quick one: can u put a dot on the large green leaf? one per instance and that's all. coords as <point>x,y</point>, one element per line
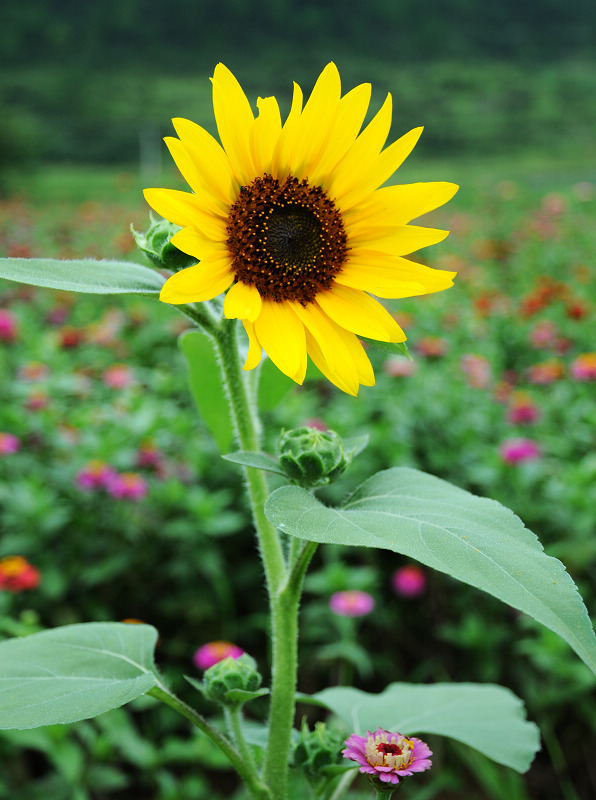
<point>476,540</point>
<point>489,718</point>
<point>75,672</point>
<point>204,377</point>
<point>83,275</point>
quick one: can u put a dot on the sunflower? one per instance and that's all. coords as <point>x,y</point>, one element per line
<point>289,220</point>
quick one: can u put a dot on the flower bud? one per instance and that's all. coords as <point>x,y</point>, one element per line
<point>229,675</point>
<point>311,457</point>
<point>156,245</point>
<point>317,749</point>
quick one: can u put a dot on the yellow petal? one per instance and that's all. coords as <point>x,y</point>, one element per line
<point>359,159</point>
<point>395,282</point>
<point>351,114</point>
<point>316,354</point>
<point>255,351</point>
<point>195,284</point>
<point>281,157</point>
<point>316,122</point>
<point>364,369</point>
<point>281,335</point>
<point>381,169</point>
<point>234,119</point>
<point>333,350</point>
<point>264,134</point>
<point>184,209</point>
<point>243,301</point>
<point>398,205</point>
<point>405,239</point>
<point>194,243</point>
<point>208,201</point>
<point>211,161</point>
<point>357,312</point>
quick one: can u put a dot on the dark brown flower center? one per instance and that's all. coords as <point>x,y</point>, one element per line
<point>286,239</point>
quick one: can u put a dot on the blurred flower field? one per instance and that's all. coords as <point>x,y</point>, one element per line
<point>113,492</point>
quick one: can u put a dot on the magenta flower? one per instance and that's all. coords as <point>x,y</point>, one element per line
<point>95,475</point>
<point>352,603</point>
<point>17,574</point>
<point>127,486</point>
<point>214,652</point>
<point>388,756</point>
<point>8,326</point>
<point>522,409</point>
<point>477,370</point>
<point>409,581</point>
<point>9,444</point>
<point>399,367</point>
<point>516,451</point>
<point>583,368</point>
<point>118,376</point>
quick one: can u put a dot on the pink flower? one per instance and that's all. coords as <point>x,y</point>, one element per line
<point>95,475</point>
<point>432,347</point>
<point>8,444</point>
<point>17,574</point>
<point>522,409</point>
<point>8,326</point>
<point>36,401</point>
<point>352,603</point>
<point>213,652</point>
<point>314,422</point>
<point>150,457</point>
<point>583,368</point>
<point>543,334</point>
<point>545,372</point>
<point>399,367</point>
<point>127,486</point>
<point>118,376</point>
<point>477,370</point>
<point>409,581</point>
<point>388,756</point>
<point>33,371</point>
<point>515,451</point>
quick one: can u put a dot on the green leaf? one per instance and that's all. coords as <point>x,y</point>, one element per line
<point>488,718</point>
<point>397,348</point>
<point>273,385</point>
<point>476,540</point>
<point>244,696</point>
<point>204,377</point>
<point>83,275</point>
<point>256,460</point>
<point>75,672</point>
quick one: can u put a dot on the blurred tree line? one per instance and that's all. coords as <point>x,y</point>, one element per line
<point>406,30</point>
<point>97,81</point>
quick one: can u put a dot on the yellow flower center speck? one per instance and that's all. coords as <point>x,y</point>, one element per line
<point>287,239</point>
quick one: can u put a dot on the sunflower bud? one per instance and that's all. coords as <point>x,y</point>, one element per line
<point>156,245</point>
<point>317,749</point>
<point>222,680</point>
<point>311,457</point>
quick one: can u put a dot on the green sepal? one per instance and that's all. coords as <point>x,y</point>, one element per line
<point>397,348</point>
<point>262,461</point>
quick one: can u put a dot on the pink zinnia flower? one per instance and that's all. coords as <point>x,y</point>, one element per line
<point>127,486</point>
<point>117,376</point>
<point>352,603</point>
<point>213,652</point>
<point>17,574</point>
<point>388,756</point>
<point>583,368</point>
<point>522,409</point>
<point>432,347</point>
<point>515,451</point>
<point>8,444</point>
<point>95,475</point>
<point>545,372</point>
<point>409,581</point>
<point>8,326</point>
<point>477,370</point>
<point>399,367</point>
